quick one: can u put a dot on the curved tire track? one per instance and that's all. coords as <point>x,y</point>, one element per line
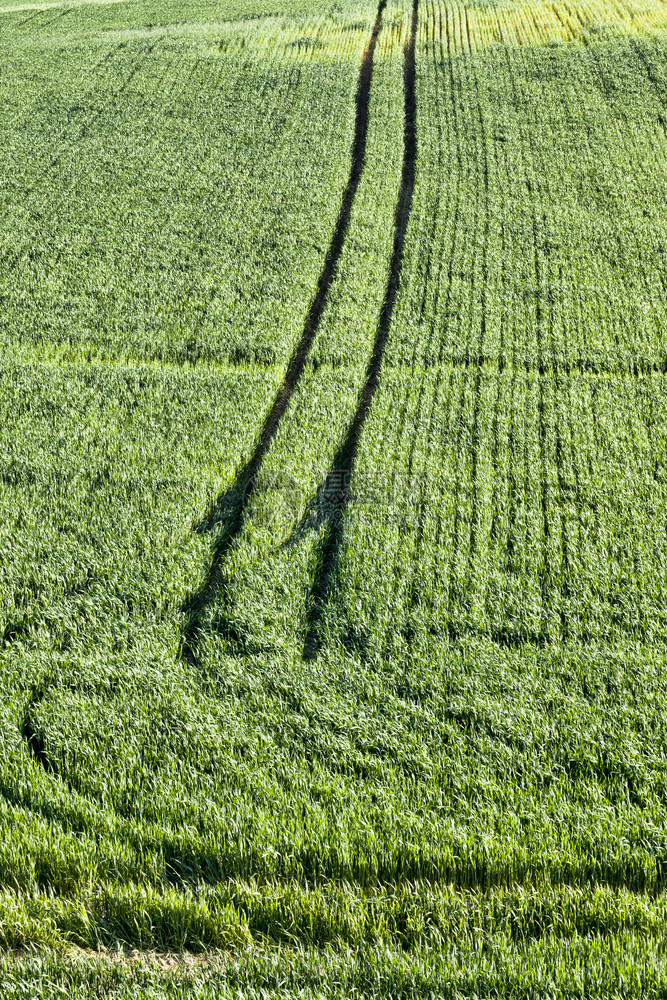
<point>229,509</point>
<point>345,458</point>
<point>32,735</point>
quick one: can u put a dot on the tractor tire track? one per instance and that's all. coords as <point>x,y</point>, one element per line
<point>229,509</point>
<point>345,458</point>
<point>32,735</point>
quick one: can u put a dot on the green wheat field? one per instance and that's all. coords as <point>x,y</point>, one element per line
<point>333,499</point>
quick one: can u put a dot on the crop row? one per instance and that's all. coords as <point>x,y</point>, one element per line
<point>165,204</point>
<point>456,29</point>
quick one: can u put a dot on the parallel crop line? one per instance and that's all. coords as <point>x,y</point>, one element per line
<point>432,195</point>
<point>452,212</point>
<point>637,367</point>
<point>437,185</point>
<point>526,23</point>
<point>483,227</point>
<point>457,251</point>
<point>8,265</point>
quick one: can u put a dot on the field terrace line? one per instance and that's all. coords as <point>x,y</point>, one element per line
<point>345,458</point>
<point>229,509</point>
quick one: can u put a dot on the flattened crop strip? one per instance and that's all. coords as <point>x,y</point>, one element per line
<point>229,509</point>
<point>345,458</point>
<point>32,735</point>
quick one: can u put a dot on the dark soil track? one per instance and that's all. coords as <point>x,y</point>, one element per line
<point>229,509</point>
<point>346,456</point>
<point>33,737</point>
